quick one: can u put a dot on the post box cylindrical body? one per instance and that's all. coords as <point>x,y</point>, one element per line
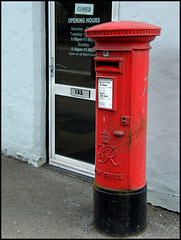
<point>121,65</point>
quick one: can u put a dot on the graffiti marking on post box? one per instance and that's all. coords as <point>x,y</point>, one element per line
<point>107,152</point>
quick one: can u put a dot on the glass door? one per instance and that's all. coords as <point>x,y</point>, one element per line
<point>72,83</point>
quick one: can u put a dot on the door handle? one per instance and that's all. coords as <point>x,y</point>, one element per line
<point>60,66</point>
<point>118,133</point>
<point>57,65</point>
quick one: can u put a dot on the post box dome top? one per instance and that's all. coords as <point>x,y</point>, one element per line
<point>122,28</point>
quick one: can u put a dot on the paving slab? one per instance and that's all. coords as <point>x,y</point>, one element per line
<point>44,203</point>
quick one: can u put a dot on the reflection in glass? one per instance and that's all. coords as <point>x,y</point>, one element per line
<point>74,54</point>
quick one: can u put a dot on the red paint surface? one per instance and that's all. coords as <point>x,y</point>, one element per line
<point>121,160</point>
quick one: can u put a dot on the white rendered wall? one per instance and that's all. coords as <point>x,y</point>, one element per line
<point>23,81</point>
<point>163,99</point>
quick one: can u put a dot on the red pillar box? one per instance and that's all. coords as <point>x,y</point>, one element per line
<point>121,65</point>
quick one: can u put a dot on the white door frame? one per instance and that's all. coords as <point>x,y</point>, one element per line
<point>54,159</point>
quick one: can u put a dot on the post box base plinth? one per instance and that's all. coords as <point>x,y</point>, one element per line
<point>121,213</point>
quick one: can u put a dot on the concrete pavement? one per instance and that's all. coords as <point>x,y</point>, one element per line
<point>43,203</point>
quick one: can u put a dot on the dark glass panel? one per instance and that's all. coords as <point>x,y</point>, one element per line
<point>75,128</point>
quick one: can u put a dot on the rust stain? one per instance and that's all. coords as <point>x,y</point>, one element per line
<point>129,138</point>
<point>132,136</point>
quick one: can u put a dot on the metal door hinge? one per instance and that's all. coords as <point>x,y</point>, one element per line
<point>52,67</point>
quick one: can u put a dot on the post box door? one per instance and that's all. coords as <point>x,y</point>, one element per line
<point>112,115</point>
<point>121,118</point>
